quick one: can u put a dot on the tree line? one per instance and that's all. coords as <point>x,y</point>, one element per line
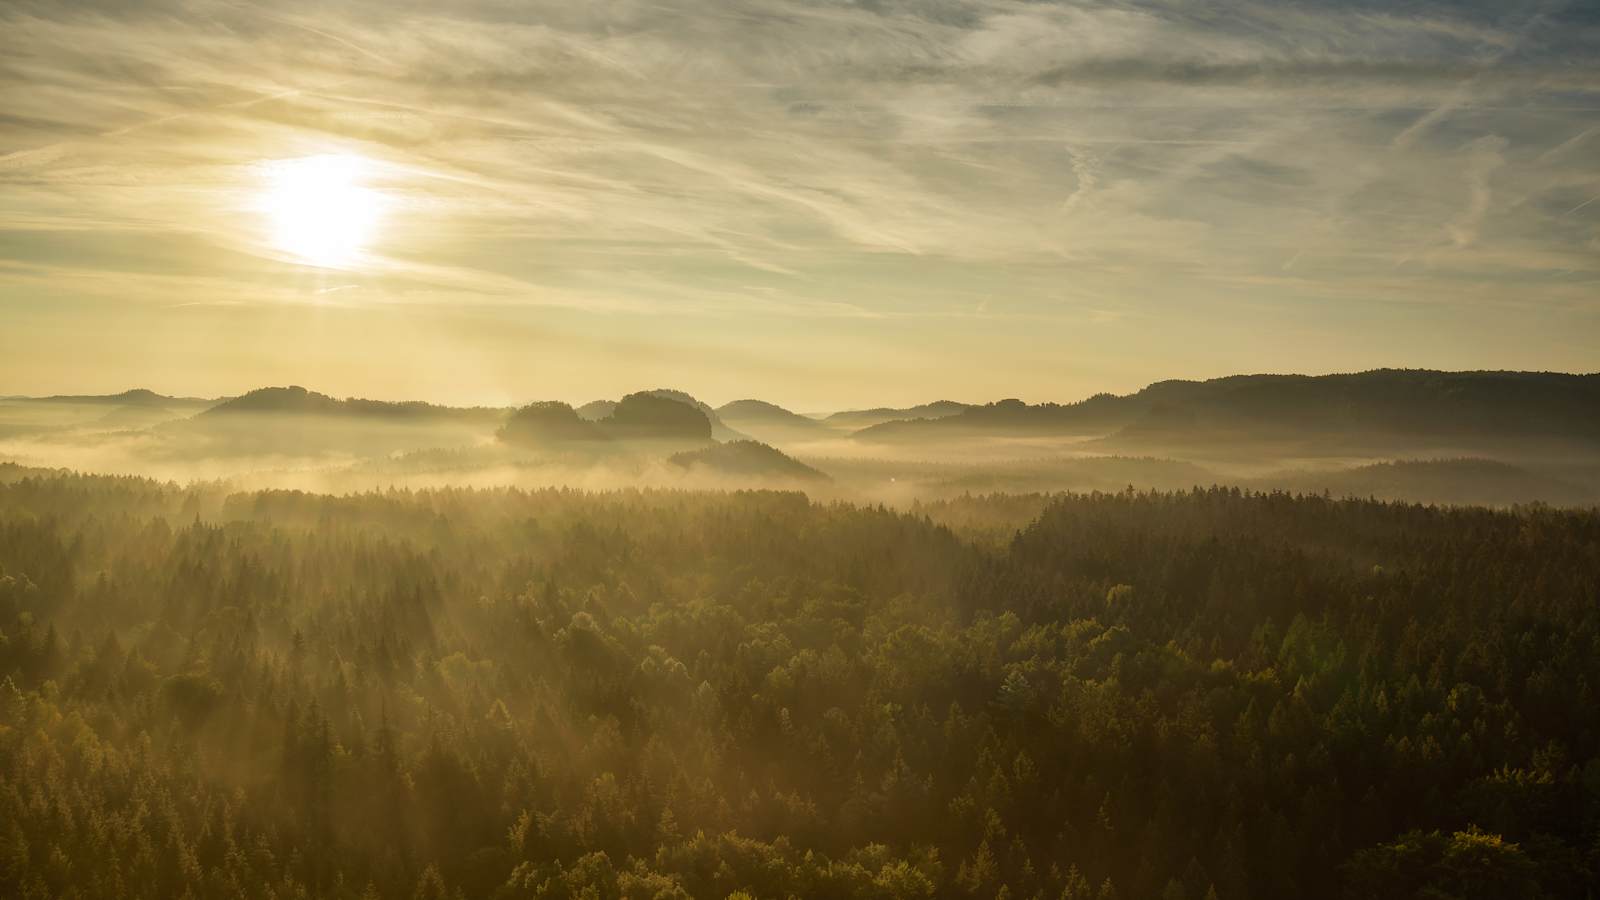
<point>560,694</point>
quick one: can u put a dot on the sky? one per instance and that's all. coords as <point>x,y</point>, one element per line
<point>822,204</point>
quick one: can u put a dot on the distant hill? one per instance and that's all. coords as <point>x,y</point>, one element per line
<point>596,410</point>
<point>135,397</point>
<point>296,400</point>
<point>1094,416</point>
<point>88,413</point>
<point>546,423</point>
<point>771,422</point>
<point>748,459</point>
<point>1339,411</point>
<point>600,409</point>
<point>642,416</point>
<point>295,422</point>
<point>719,429</point>
<point>1482,482</point>
<point>762,411</point>
<point>656,415</point>
<point>866,418</point>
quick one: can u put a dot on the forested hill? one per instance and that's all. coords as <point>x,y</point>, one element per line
<point>864,418</point>
<point>1475,407</point>
<point>135,397</point>
<point>758,415</point>
<point>599,410</point>
<point>297,401</point>
<point>462,693</point>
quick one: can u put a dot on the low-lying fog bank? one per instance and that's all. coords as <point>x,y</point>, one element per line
<point>1413,436</point>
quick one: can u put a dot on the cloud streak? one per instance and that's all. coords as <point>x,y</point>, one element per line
<point>774,157</point>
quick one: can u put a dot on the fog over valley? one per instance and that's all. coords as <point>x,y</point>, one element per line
<point>1495,438</point>
<point>791,449</point>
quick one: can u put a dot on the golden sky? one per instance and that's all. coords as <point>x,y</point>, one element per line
<point>818,203</point>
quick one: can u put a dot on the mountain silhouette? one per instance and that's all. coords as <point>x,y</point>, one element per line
<point>719,429</point>
<point>296,400</point>
<point>595,410</point>
<point>598,410</point>
<point>866,418</point>
<point>653,415</point>
<point>771,422</point>
<point>135,397</point>
<point>548,422</point>
<point>1483,482</point>
<point>748,459</point>
<point>1342,411</point>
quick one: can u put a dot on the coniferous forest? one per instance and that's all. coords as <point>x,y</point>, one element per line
<point>799,450</point>
<point>503,693</point>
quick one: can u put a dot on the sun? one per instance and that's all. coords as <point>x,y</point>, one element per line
<point>320,210</point>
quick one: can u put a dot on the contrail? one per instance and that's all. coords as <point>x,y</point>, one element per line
<point>1580,205</point>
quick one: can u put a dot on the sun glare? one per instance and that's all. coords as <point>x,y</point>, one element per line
<point>320,210</point>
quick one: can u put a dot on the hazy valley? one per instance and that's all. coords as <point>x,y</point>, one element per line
<point>1492,438</point>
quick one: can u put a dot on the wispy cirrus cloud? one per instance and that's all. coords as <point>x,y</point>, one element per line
<point>773,158</point>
